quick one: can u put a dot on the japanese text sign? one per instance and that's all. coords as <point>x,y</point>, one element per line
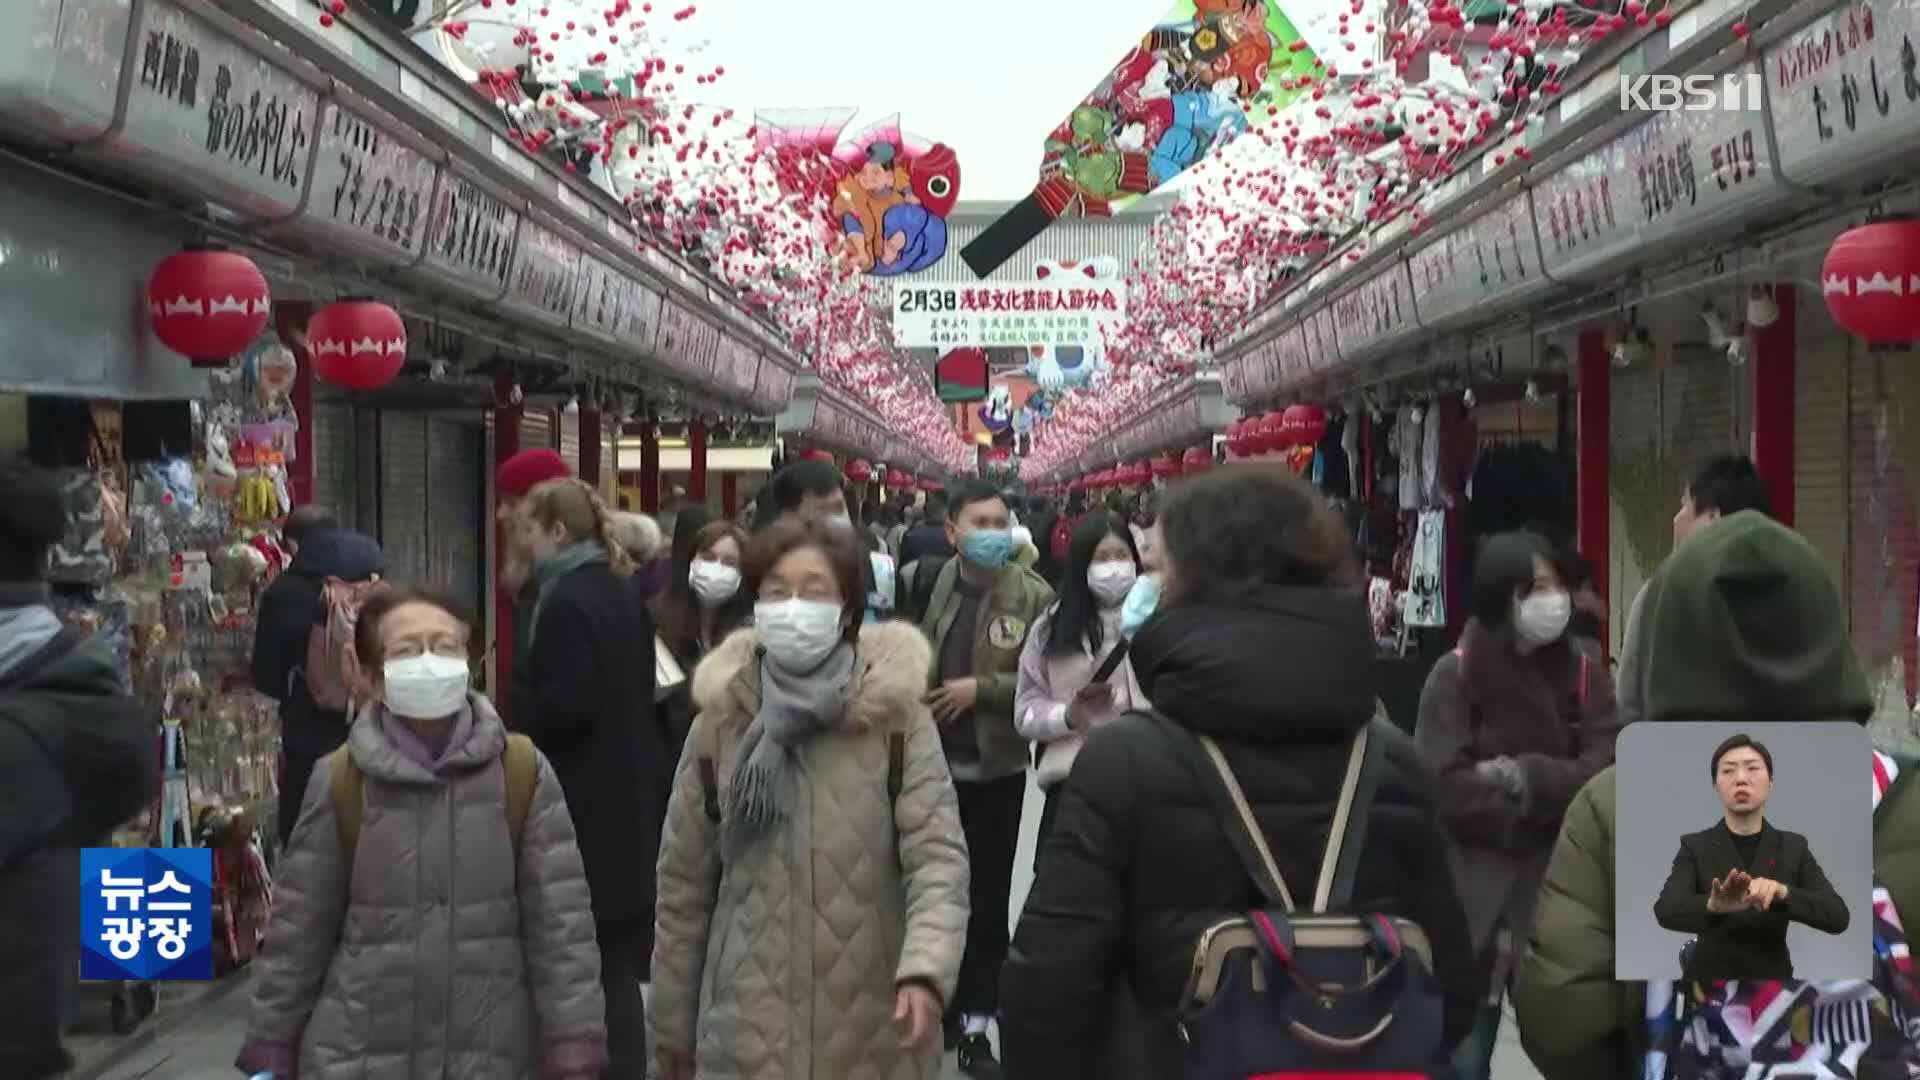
<point>1005,314</point>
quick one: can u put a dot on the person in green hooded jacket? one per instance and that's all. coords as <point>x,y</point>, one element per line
<point>1743,624</point>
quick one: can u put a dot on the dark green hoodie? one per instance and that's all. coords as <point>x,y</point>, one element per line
<point>1743,623</point>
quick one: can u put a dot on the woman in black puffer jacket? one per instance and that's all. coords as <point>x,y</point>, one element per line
<point>1260,641</point>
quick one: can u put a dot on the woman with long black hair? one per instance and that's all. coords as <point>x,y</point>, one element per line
<point>1058,699</point>
<point>703,603</point>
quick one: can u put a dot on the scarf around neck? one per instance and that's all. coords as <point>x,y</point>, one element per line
<point>548,571</point>
<point>794,706</point>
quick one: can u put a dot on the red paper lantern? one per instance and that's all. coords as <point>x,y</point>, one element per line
<point>357,344</point>
<point>207,304</point>
<point>1196,460</point>
<point>1268,434</point>
<point>898,480</point>
<point>817,454</point>
<point>1140,473</point>
<point>930,485</point>
<point>859,471</point>
<point>1871,281</point>
<point>1303,425</point>
<point>1166,466</point>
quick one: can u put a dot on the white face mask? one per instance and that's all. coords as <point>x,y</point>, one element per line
<point>1542,617</point>
<point>714,582</point>
<point>798,634</point>
<point>1111,581</point>
<point>424,687</point>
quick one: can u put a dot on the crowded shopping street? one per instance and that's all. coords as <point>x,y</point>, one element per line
<point>574,539</point>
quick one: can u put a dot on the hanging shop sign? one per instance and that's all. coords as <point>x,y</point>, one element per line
<point>60,66</point>
<point>1376,313</point>
<point>545,266</point>
<point>1016,314</point>
<point>1843,93</point>
<point>371,191</point>
<point>1322,345</point>
<point>603,299</point>
<point>1585,215</point>
<point>774,389</point>
<point>1292,360</point>
<point>1504,257</point>
<point>1234,376</point>
<point>207,115</point>
<point>1443,287</point>
<point>471,237</point>
<point>640,329</point>
<point>690,345</point>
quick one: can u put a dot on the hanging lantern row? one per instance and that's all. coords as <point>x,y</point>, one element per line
<point>1296,425</point>
<point>897,480</point>
<point>858,471</point>
<point>817,454</point>
<point>207,304</point>
<point>1871,281</point>
<point>357,344</point>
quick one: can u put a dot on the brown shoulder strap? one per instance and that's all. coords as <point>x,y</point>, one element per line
<point>349,799</point>
<point>896,764</point>
<point>521,763</point>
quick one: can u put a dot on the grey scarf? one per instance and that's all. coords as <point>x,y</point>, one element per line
<point>793,707</point>
<point>548,571</point>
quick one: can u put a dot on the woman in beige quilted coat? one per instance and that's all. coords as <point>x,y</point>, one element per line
<point>813,875</point>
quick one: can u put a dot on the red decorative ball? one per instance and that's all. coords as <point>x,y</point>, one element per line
<point>859,471</point>
<point>357,344</point>
<point>1871,281</point>
<point>207,304</point>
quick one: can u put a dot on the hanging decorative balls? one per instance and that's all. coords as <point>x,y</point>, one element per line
<point>207,304</point>
<point>1871,281</point>
<point>859,471</point>
<point>1196,460</point>
<point>357,344</point>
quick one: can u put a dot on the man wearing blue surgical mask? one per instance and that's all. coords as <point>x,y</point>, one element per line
<point>977,616</point>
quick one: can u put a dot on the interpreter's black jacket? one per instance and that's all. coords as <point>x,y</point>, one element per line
<point>1746,944</point>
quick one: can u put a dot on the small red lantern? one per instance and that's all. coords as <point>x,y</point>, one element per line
<point>930,485</point>
<point>817,454</point>
<point>207,304</point>
<point>859,471</point>
<point>1303,425</point>
<point>1196,460</point>
<point>1269,435</point>
<point>1871,281</point>
<point>357,344</point>
<point>1166,466</point>
<point>1140,473</point>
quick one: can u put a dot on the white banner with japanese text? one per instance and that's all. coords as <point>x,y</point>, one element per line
<point>994,313</point>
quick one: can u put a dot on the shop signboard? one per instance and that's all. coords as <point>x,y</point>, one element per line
<point>774,390</point>
<point>1322,350</point>
<point>685,342</point>
<point>1292,360</point>
<point>206,114</point>
<point>545,265</point>
<point>1502,256</point>
<point>1376,312</point>
<point>1443,287</point>
<point>1687,172</point>
<point>1843,94</point>
<point>60,65</point>
<point>1020,314</point>
<point>600,298</point>
<point>640,324</point>
<point>1584,213</point>
<point>371,191</point>
<point>1233,376</point>
<point>471,236</point>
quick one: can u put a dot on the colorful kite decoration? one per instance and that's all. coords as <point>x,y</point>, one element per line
<point>1183,92</point>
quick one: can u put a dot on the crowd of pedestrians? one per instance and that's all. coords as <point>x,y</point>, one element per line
<point>746,802</point>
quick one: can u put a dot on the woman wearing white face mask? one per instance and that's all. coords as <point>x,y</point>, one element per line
<point>1512,724</point>
<point>425,845</point>
<point>702,604</point>
<point>1057,699</point>
<point>813,876</point>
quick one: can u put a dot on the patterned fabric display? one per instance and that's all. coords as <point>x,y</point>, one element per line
<point>1772,1030</point>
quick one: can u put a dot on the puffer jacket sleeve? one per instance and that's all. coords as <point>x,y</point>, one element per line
<point>1038,713</point>
<point>309,903</point>
<point>1553,781</point>
<point>1472,807</point>
<point>688,884</point>
<point>933,863</point>
<point>557,936</point>
<point>1574,1018</point>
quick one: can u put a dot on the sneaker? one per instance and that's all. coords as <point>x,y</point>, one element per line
<point>976,1058</point>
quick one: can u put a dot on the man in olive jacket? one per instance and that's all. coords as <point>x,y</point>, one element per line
<point>978,614</point>
<point>1744,623</point>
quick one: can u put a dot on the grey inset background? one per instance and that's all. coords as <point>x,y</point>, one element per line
<point>1821,790</point>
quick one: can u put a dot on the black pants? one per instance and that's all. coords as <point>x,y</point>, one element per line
<point>626,952</point>
<point>296,768</point>
<point>39,960</point>
<point>1047,811</point>
<point>990,818</point>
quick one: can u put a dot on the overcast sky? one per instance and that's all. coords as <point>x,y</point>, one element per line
<point>989,78</point>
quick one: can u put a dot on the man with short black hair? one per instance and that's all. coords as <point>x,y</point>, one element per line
<point>1738,884</point>
<point>929,537</point>
<point>811,489</point>
<point>979,608</point>
<point>1723,486</point>
<point>76,760</point>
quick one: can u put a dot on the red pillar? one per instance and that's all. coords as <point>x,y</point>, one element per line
<point>697,460</point>
<point>290,322</point>
<point>729,494</point>
<point>649,467</point>
<point>506,443</point>
<point>590,447</point>
<point>1772,381</point>
<point>1593,498</point>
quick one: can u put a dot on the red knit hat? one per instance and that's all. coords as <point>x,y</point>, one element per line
<point>528,469</point>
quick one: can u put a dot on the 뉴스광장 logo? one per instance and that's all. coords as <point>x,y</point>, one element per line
<point>146,913</point>
<point>1732,92</point>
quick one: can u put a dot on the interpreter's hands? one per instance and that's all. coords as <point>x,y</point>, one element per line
<point>674,1064</point>
<point>1763,893</point>
<point>1092,700</point>
<point>1729,894</point>
<point>916,1011</point>
<point>954,699</point>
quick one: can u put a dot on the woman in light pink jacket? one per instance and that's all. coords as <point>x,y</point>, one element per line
<point>1057,700</point>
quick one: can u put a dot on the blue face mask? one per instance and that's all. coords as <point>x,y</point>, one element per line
<point>1141,601</point>
<point>988,549</point>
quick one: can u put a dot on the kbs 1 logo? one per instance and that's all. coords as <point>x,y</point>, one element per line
<point>1732,92</point>
<point>146,913</point>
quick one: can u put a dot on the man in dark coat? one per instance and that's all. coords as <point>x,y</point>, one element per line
<point>76,759</point>
<point>290,608</point>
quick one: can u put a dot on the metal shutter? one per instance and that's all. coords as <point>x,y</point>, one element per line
<point>570,439</point>
<point>1884,557</point>
<point>536,429</point>
<point>1640,531</point>
<point>456,521</point>
<point>1823,357</point>
<point>403,496</point>
<point>334,464</point>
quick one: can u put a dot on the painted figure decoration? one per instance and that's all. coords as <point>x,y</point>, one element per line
<point>1187,89</point>
<point>1056,368</point>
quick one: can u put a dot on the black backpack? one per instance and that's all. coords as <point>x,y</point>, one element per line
<point>916,586</point>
